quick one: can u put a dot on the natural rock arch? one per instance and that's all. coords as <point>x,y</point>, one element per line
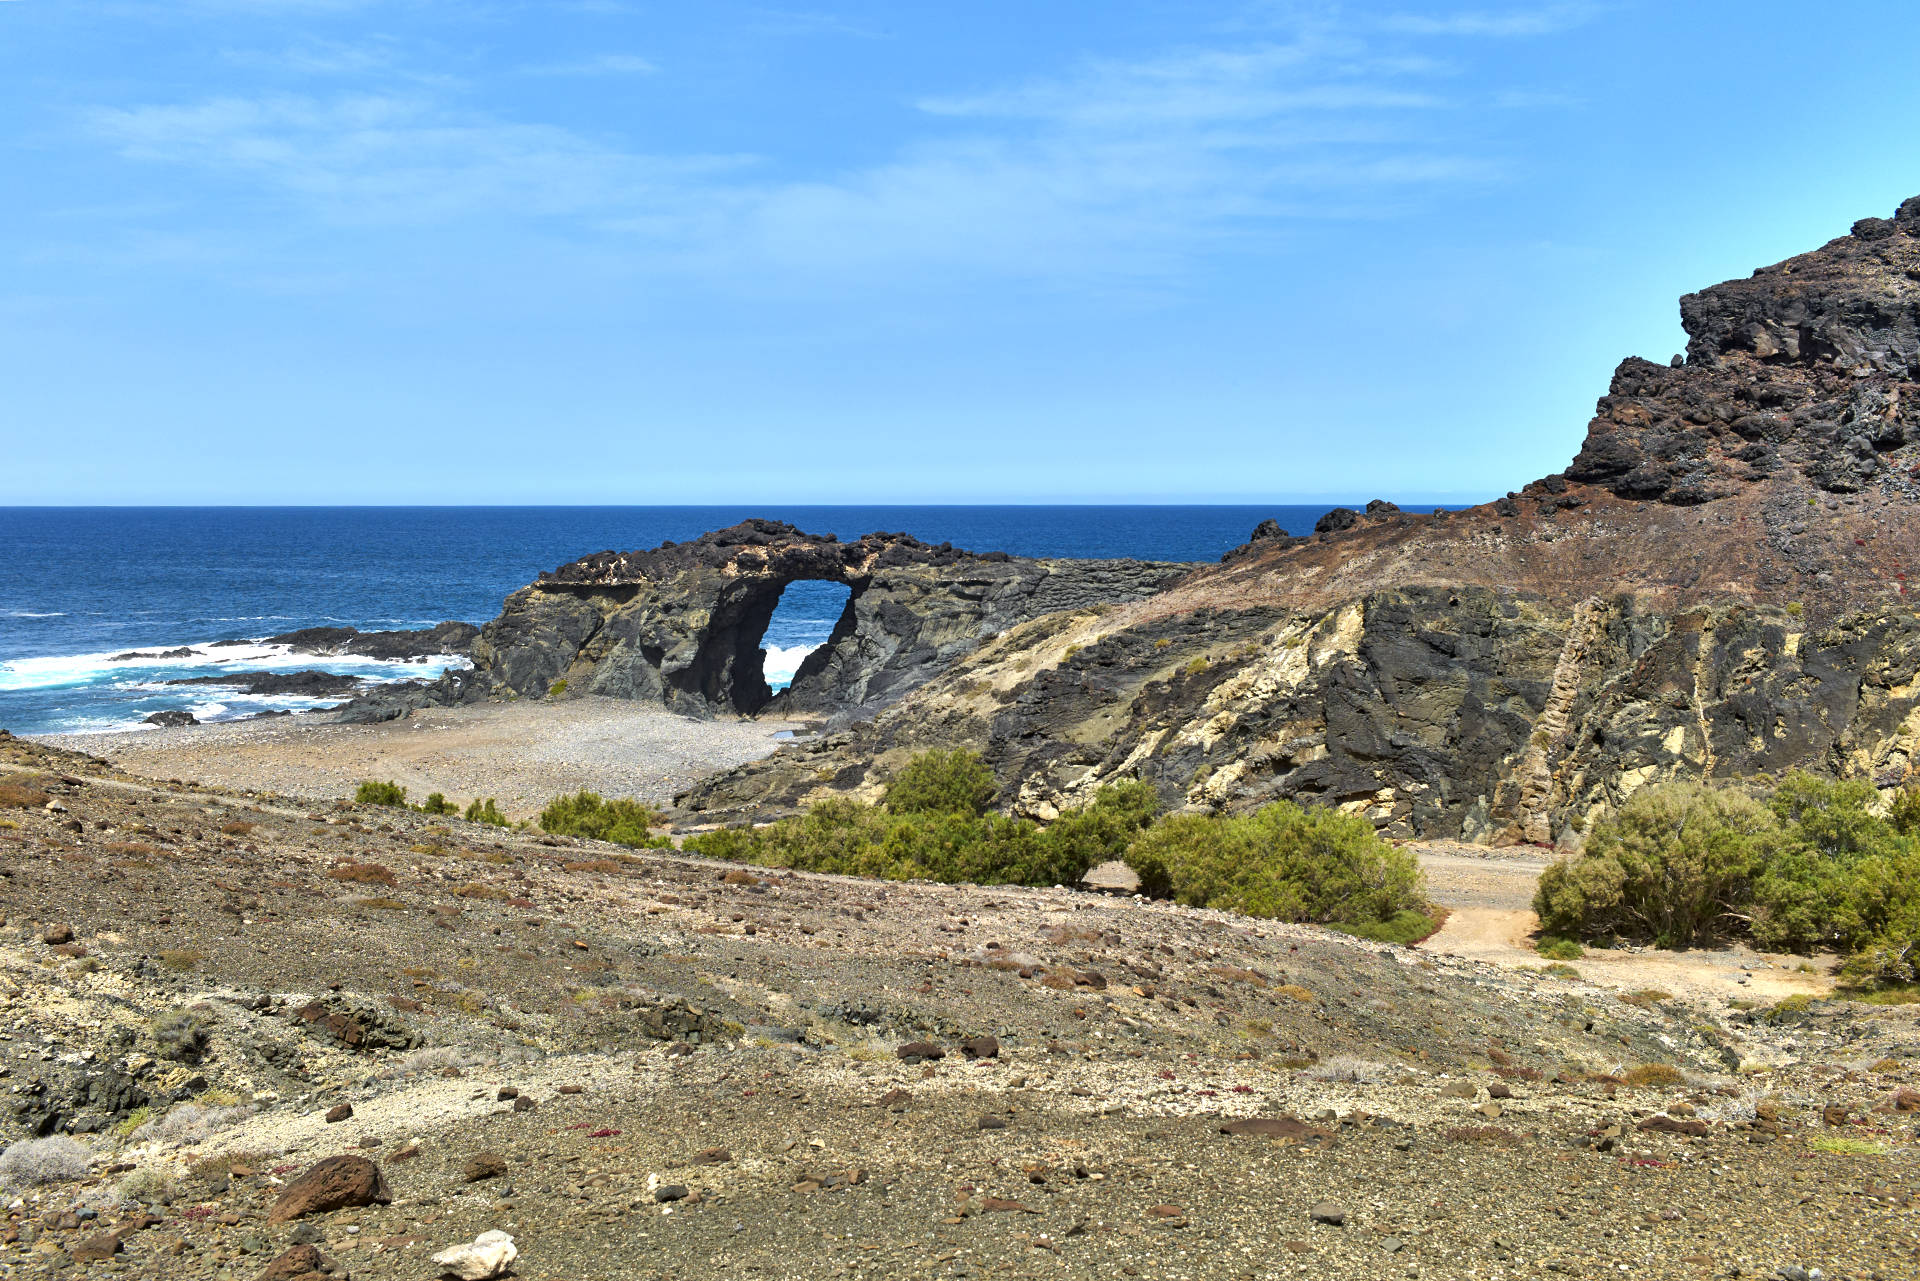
<point>683,624</point>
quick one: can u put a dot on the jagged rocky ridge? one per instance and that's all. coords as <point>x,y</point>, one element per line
<point>1717,586</point>
<point>682,624</point>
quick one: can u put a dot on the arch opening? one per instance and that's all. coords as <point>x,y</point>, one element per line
<point>805,620</point>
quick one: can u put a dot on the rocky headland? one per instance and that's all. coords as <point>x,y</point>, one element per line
<point>1717,586</point>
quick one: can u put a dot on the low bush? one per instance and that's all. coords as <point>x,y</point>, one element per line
<point>587,814</point>
<point>1287,863</point>
<point>182,1035</point>
<point>931,830</point>
<point>192,1123</point>
<point>486,812</point>
<point>942,783</point>
<point>1555,948</point>
<point>436,803</point>
<point>32,1162</point>
<point>372,793</point>
<point>1682,865</point>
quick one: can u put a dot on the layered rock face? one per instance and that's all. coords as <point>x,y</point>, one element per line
<point>1716,587</point>
<point>682,624</point>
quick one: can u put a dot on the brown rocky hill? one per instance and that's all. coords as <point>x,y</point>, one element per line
<point>1716,586</point>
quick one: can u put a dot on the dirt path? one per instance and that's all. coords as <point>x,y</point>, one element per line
<point>1490,894</point>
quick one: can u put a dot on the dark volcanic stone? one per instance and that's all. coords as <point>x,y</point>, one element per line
<point>337,1183</point>
<point>172,717</point>
<point>483,1165</point>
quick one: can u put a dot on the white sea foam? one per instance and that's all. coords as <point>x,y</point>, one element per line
<point>59,671</point>
<point>28,613</point>
<point>783,661</point>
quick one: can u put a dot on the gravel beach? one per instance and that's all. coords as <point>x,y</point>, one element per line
<point>523,753</point>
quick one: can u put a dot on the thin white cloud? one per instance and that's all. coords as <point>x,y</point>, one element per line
<point>1114,170</point>
<point>1541,20</point>
<point>606,64</point>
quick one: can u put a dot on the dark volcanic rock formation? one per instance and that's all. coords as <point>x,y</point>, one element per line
<point>682,624</point>
<point>309,684</point>
<point>1808,367</point>
<point>1717,587</point>
<point>442,638</point>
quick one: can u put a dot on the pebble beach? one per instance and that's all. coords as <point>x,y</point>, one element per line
<point>522,753</point>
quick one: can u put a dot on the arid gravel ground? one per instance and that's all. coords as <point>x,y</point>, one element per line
<point>522,753</point>
<point>721,1076</point>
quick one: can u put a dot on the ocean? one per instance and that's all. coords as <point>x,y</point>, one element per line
<point>79,585</point>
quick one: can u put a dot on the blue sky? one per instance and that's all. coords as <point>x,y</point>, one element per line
<point>474,251</point>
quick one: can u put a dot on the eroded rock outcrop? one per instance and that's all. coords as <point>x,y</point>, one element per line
<point>1717,586</point>
<point>683,624</point>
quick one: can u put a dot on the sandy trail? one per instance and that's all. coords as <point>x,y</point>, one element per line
<point>1490,894</point>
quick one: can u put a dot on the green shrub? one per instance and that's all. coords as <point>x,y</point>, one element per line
<point>558,688</point>
<point>1675,865</point>
<point>849,838</point>
<point>621,821</point>
<point>1904,813</point>
<point>488,813</point>
<point>371,793</point>
<point>437,804</point>
<point>956,782</point>
<point>1555,948</point>
<point>1288,863</point>
<point>1813,867</point>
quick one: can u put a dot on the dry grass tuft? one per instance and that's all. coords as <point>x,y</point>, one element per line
<point>15,797</point>
<point>357,873</point>
<point>1654,1075</point>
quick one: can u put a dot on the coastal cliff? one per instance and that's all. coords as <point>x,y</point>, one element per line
<point>1715,587</point>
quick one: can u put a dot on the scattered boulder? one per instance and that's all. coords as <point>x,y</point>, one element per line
<point>483,1165</point>
<point>54,935</point>
<point>1274,1127</point>
<point>980,1047</point>
<point>339,1112</point>
<point>337,1183</point>
<point>1664,1124</point>
<point>919,1052</point>
<point>303,1262</point>
<point>96,1249</point>
<point>172,718</point>
<point>491,1254</point>
<point>1331,1213</point>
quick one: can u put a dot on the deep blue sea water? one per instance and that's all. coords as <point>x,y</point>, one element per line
<point>78,585</point>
